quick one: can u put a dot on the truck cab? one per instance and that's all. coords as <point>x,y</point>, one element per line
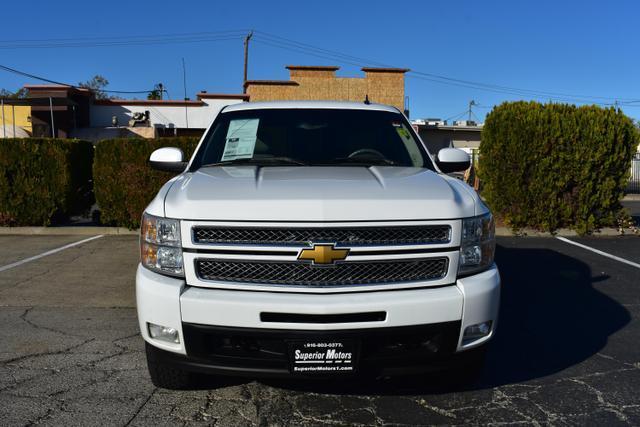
<point>314,239</point>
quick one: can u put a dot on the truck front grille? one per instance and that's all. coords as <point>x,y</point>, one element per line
<point>341,274</point>
<point>353,236</point>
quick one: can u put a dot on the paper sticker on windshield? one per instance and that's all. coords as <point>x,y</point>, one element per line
<point>241,139</point>
<point>404,133</point>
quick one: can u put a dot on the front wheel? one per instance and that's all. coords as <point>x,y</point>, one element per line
<point>165,375</point>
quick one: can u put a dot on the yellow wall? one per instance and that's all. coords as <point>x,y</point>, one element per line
<point>21,116</point>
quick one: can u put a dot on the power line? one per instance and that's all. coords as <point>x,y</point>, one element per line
<point>240,31</point>
<point>292,45</point>
<point>513,92</point>
<point>33,76</point>
<point>124,43</point>
<point>302,48</point>
<point>513,89</point>
<point>121,40</point>
<point>285,41</point>
<point>456,116</point>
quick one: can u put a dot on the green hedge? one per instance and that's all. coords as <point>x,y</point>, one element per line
<point>554,165</point>
<point>124,184</point>
<point>44,180</point>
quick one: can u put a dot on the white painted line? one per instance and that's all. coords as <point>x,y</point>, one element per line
<point>44,254</point>
<point>599,252</point>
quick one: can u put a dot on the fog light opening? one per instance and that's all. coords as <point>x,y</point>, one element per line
<point>475,332</point>
<point>164,333</point>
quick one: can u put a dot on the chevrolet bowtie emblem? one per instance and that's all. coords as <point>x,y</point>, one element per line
<point>323,254</point>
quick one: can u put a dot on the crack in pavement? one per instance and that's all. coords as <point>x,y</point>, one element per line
<point>47,271</point>
<point>46,353</point>
<point>24,315</point>
<point>608,357</point>
<point>41,418</point>
<point>101,376</point>
<point>607,406</point>
<point>133,417</point>
<point>20,282</point>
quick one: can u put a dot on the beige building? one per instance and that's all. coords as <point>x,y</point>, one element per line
<point>380,85</point>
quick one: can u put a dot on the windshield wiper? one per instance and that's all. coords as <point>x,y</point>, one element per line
<point>364,161</point>
<point>266,161</point>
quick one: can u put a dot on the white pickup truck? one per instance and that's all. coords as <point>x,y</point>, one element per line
<point>314,239</point>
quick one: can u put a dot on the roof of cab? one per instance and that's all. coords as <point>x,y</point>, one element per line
<point>337,105</point>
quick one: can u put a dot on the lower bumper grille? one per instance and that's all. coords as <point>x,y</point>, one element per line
<point>265,350</point>
<point>341,274</point>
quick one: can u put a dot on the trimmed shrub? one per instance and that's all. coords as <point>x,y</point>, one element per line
<point>554,165</point>
<point>124,183</point>
<point>44,180</point>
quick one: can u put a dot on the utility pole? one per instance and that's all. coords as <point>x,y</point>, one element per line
<point>53,125</point>
<point>4,129</point>
<point>184,85</point>
<point>471,104</point>
<point>246,60</point>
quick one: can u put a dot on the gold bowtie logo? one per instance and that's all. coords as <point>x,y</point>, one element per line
<point>323,254</point>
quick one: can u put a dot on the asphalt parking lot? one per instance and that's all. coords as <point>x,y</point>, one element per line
<point>566,351</point>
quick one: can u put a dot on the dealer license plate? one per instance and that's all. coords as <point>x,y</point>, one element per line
<point>323,356</point>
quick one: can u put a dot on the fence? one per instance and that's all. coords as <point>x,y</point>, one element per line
<point>634,182</point>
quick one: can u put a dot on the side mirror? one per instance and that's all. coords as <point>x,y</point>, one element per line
<point>453,160</point>
<point>168,159</point>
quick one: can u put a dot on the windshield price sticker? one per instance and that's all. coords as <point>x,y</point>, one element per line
<point>322,357</point>
<point>240,141</point>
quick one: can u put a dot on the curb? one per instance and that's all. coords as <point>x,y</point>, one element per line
<point>121,231</point>
<point>631,198</point>
<point>69,231</point>
<point>563,232</point>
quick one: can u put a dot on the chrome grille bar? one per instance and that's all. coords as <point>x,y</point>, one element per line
<point>352,236</point>
<point>305,274</point>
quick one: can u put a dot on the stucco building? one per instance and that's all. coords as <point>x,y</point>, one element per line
<point>437,134</point>
<point>163,117</point>
<point>70,112</point>
<point>380,85</point>
<point>66,111</point>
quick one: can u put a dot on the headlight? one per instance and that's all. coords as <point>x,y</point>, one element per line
<point>160,245</point>
<point>478,244</point>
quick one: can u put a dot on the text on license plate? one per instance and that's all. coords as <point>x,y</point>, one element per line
<point>322,356</point>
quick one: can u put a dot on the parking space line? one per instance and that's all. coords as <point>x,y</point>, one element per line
<point>44,254</point>
<point>599,252</point>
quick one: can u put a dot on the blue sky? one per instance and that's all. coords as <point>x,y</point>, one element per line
<point>584,48</point>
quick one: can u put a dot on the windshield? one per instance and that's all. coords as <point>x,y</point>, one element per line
<point>311,137</point>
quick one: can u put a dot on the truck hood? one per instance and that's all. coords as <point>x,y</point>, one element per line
<point>298,193</point>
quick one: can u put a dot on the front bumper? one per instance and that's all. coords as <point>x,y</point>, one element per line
<point>199,313</point>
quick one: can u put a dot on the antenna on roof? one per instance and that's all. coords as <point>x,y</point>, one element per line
<point>366,99</point>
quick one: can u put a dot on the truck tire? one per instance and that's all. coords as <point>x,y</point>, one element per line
<point>165,375</point>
